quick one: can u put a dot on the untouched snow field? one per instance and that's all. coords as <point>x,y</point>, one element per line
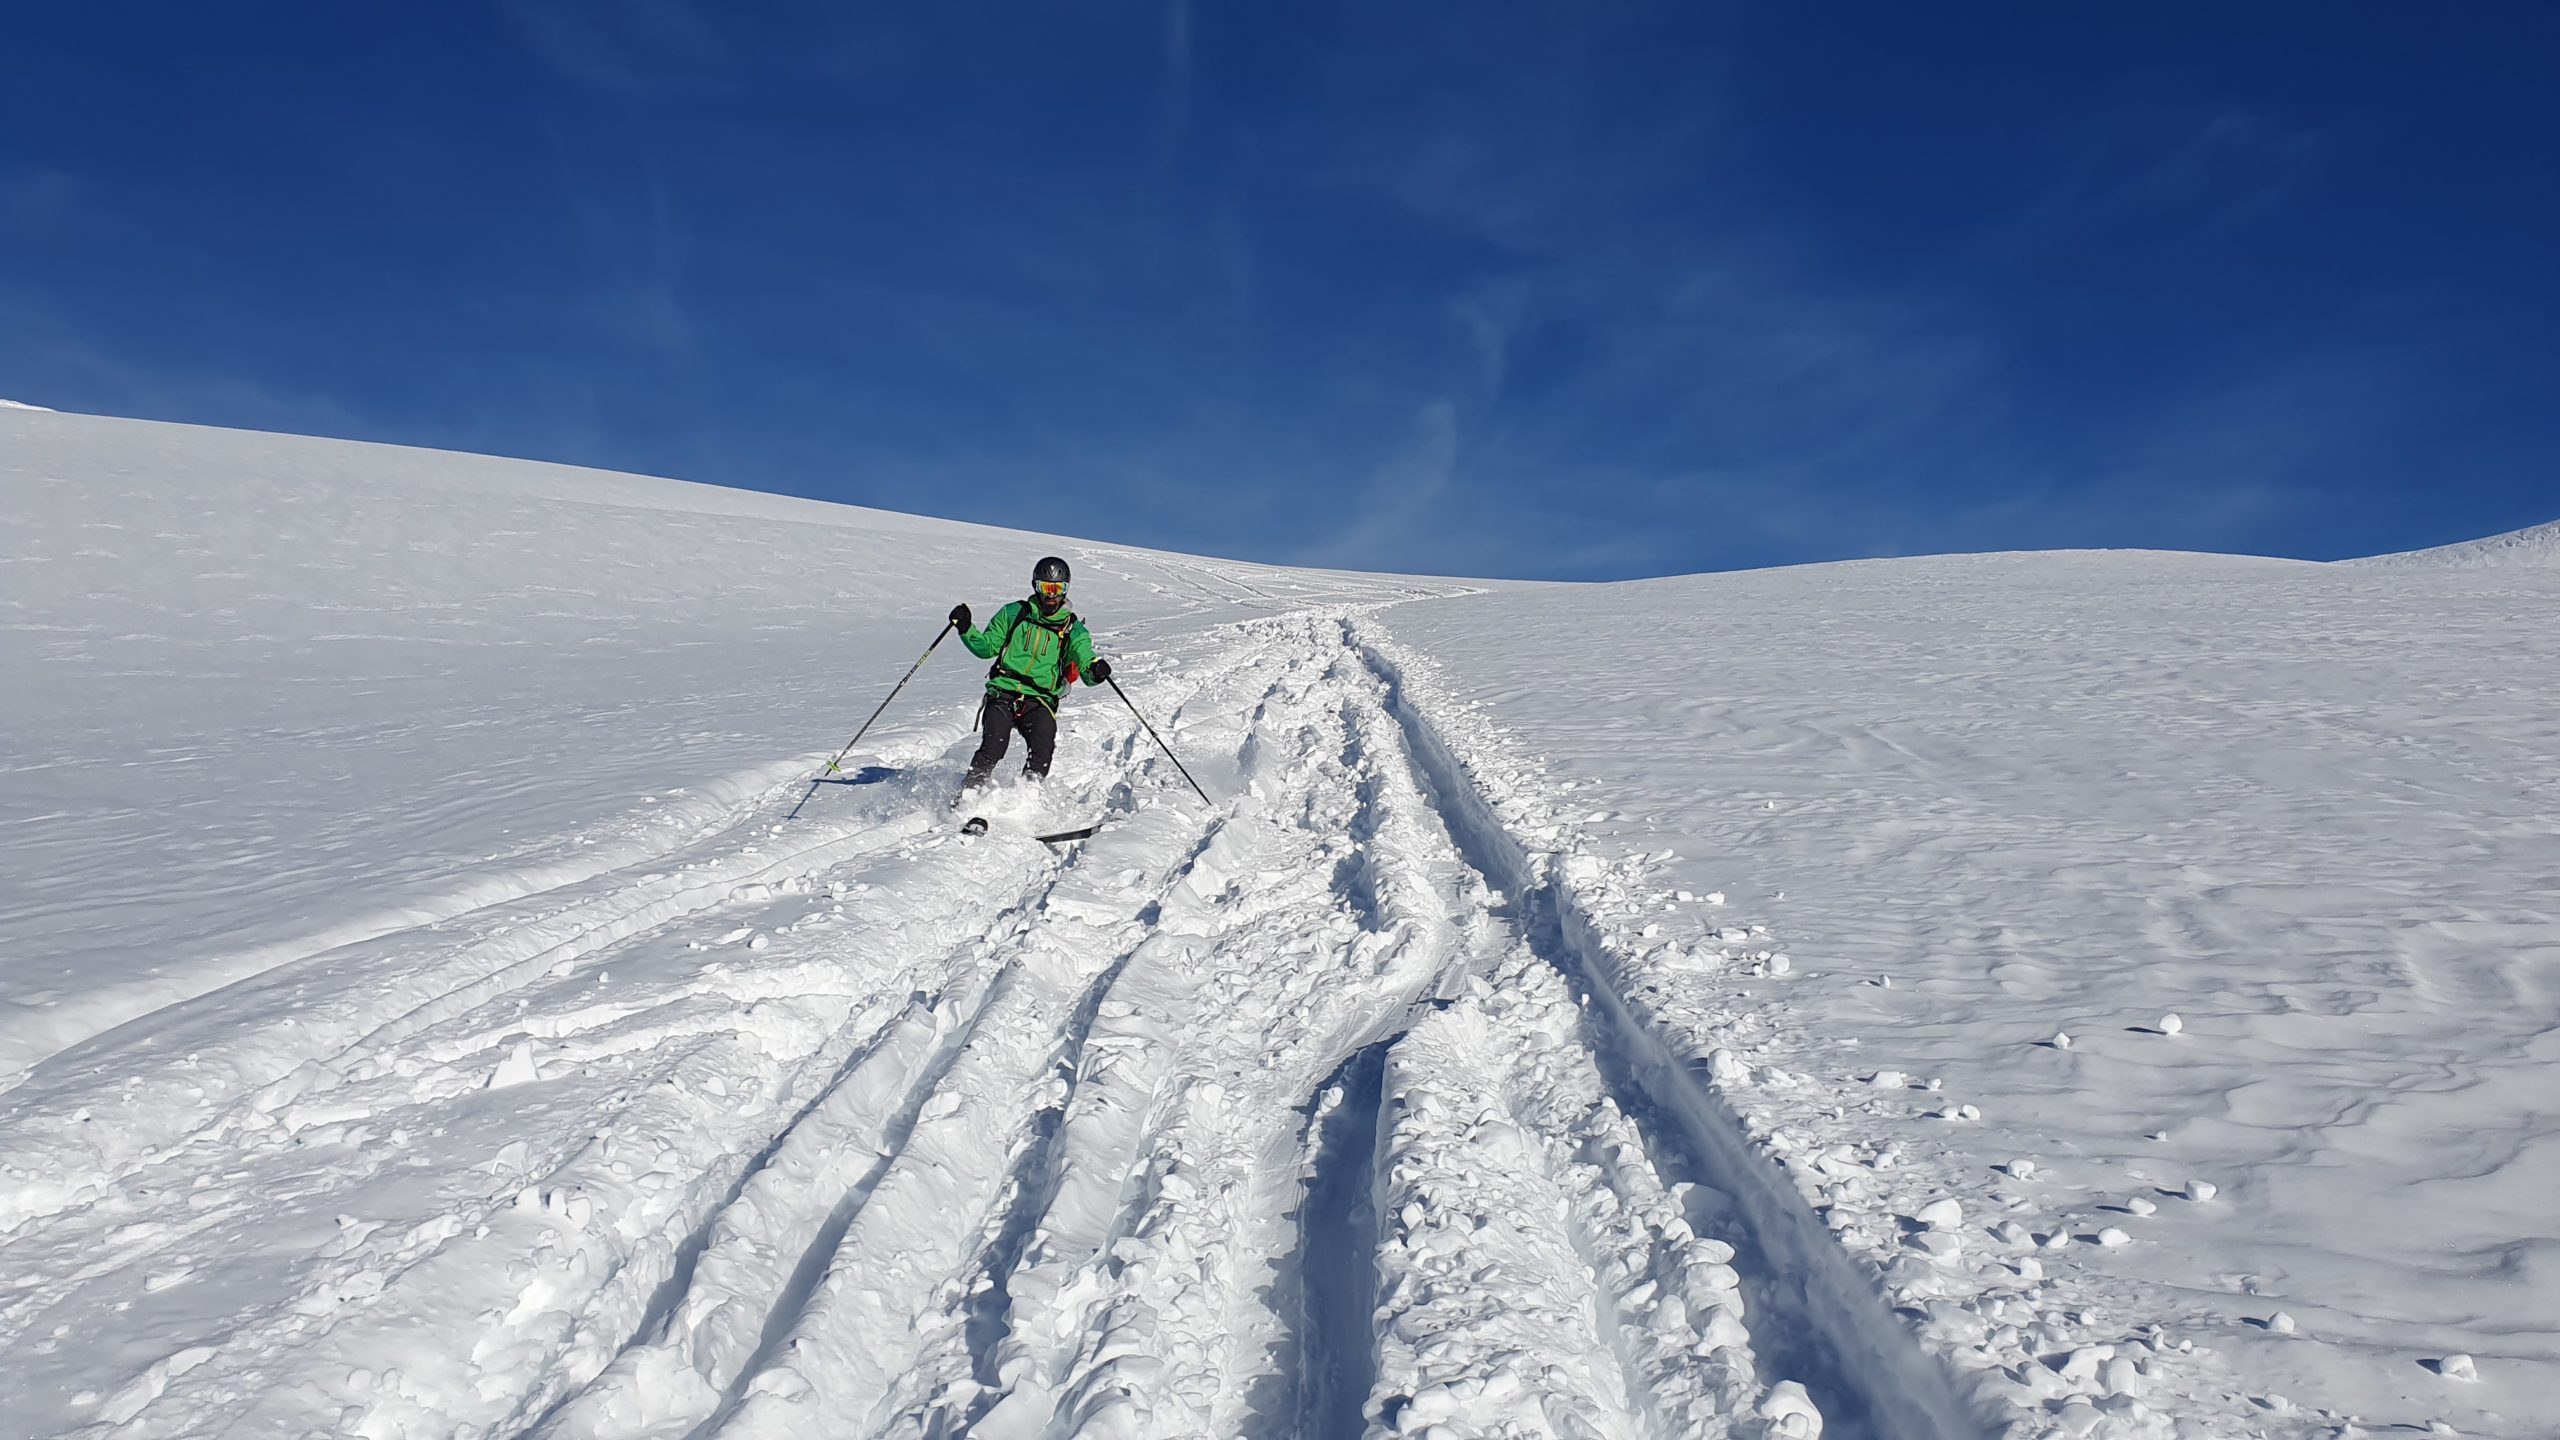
<point>1580,1011</point>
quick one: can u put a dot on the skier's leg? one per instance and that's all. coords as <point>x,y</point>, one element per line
<point>1039,738</point>
<point>995,725</point>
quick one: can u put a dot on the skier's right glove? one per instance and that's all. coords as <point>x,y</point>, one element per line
<point>960,618</point>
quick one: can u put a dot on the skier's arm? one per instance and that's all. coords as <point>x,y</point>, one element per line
<point>985,643</point>
<point>1080,650</point>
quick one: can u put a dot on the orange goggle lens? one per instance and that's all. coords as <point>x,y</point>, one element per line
<point>1051,587</point>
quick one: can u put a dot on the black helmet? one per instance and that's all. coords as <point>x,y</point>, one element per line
<point>1049,584</point>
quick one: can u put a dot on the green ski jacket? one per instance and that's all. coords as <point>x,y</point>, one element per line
<point>1036,655</point>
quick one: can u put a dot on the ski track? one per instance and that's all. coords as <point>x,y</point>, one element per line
<point>1321,1112</point>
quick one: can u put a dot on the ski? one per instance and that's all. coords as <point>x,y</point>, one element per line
<point>977,825</point>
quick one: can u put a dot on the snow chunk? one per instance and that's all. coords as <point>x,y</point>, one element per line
<point>1790,1412</point>
<point>517,1069</point>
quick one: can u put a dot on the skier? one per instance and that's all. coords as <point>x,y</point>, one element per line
<point>1039,648</point>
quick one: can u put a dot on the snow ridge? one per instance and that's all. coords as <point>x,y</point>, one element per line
<point>2536,547</point>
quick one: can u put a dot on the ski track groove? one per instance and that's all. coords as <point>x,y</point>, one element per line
<point>1030,1191</point>
<point>1829,1317</point>
<point>1093,1172</point>
<point>787,1318</point>
<point>561,1337</point>
<point>609,1399</point>
<point>261,1081</point>
<point>1328,1350</point>
<point>817,1261</point>
<point>721,1225</point>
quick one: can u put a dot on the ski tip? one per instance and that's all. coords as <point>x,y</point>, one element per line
<point>1064,836</point>
<point>975,825</point>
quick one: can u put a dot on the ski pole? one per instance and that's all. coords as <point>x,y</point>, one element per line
<point>876,714</point>
<point>1151,730</point>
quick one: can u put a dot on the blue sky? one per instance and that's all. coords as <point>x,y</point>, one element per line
<point>1574,291</point>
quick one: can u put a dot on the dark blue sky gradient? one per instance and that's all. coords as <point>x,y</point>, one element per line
<point>1566,291</point>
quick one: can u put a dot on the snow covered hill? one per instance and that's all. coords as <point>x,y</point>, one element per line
<point>2537,546</point>
<point>291,693</point>
<point>2008,815</point>
<point>1624,1010</point>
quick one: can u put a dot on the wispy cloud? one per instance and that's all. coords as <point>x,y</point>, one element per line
<point>2236,461</point>
<point>1610,341</point>
<point>2193,169</point>
<point>639,249</point>
<point>1174,120</point>
<point>628,46</point>
<point>1404,497</point>
<point>43,203</point>
<point>637,48</point>
<point>50,358</point>
<point>1537,290</point>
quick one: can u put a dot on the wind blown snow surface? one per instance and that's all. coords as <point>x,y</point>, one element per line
<point>2159,987</point>
<point>2538,546</point>
<point>1577,1011</point>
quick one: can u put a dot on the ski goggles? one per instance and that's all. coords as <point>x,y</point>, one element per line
<point>1054,589</point>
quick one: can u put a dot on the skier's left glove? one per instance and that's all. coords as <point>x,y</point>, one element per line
<point>960,618</point>
<point>1101,671</point>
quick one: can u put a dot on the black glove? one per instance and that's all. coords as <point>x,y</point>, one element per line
<point>960,618</point>
<point>1101,670</point>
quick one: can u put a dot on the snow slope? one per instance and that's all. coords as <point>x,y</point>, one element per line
<point>1985,803</point>
<point>2537,546</point>
<point>426,1020</point>
<point>288,693</point>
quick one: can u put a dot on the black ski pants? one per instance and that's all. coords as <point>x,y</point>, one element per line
<point>1002,713</point>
